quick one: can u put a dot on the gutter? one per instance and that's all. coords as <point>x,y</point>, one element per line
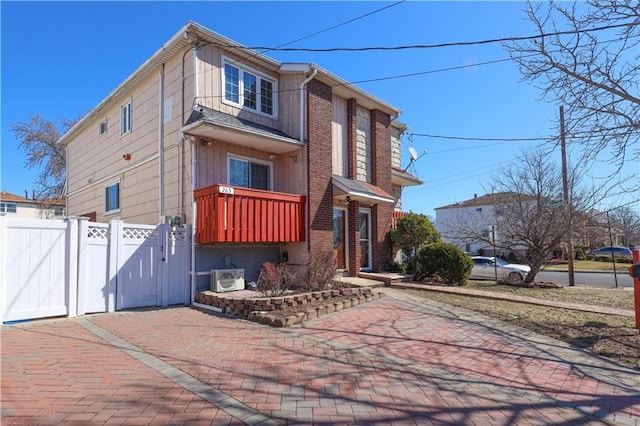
<point>161,147</point>
<point>303,120</point>
<point>194,214</point>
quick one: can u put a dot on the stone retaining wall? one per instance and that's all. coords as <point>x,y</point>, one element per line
<point>298,307</point>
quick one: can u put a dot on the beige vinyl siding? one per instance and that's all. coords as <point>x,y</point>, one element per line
<point>212,163</point>
<point>396,137</point>
<point>363,144</point>
<point>139,194</point>
<point>339,136</point>
<point>287,169</point>
<point>289,103</point>
<point>94,157</point>
<point>177,160</point>
<point>211,92</point>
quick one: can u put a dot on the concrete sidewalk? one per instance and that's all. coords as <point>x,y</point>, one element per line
<point>399,360</point>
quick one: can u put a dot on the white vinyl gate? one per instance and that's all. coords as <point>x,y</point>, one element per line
<point>68,267</point>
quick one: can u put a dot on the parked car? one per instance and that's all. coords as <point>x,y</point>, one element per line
<point>485,268</point>
<point>617,251</point>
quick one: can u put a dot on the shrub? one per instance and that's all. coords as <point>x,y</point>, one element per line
<point>445,262</point>
<point>396,267</point>
<point>412,231</point>
<point>276,280</point>
<point>320,271</point>
<point>512,257</point>
<point>581,252</point>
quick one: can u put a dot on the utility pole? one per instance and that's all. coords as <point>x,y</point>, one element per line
<point>565,194</point>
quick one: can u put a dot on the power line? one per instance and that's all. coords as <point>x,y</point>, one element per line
<point>264,50</point>
<point>337,25</point>
<point>464,138</point>
<point>438,45</point>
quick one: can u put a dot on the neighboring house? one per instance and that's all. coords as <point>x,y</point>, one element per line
<point>268,161</point>
<point>12,205</point>
<point>477,213</point>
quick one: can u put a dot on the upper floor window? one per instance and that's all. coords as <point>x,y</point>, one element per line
<point>102,128</point>
<point>250,173</point>
<point>125,118</point>
<point>249,89</point>
<point>112,198</point>
<point>8,207</point>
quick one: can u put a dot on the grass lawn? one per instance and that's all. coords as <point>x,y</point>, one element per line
<point>590,265</point>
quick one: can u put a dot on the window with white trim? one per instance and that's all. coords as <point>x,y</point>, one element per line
<point>112,198</point>
<point>8,207</point>
<point>102,128</point>
<point>250,173</point>
<point>248,89</point>
<point>125,118</point>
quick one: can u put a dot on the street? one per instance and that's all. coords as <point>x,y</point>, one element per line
<point>601,279</point>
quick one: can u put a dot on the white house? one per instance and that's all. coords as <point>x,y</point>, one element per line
<point>477,215</point>
<point>12,205</point>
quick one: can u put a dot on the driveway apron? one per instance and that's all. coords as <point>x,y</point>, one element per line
<point>399,360</point>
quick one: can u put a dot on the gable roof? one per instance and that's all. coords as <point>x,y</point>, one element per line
<point>13,198</point>
<point>483,200</point>
<point>193,32</point>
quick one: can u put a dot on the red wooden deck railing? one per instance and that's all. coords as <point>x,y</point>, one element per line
<point>240,215</point>
<point>395,217</point>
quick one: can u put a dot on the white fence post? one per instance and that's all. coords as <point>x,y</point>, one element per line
<point>163,262</point>
<point>115,241</point>
<point>72,266</point>
<point>3,268</point>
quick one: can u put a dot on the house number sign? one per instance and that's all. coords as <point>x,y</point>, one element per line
<point>225,190</point>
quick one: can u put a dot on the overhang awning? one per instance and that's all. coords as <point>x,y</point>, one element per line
<point>402,178</point>
<point>207,123</point>
<point>359,191</point>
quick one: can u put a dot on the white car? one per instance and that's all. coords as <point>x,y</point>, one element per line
<point>484,268</point>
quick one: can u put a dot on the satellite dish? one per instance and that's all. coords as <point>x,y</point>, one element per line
<point>413,153</point>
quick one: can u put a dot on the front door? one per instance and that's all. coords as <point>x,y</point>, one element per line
<point>364,232</point>
<point>339,243</point>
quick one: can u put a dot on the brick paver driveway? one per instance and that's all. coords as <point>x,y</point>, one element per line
<point>394,361</point>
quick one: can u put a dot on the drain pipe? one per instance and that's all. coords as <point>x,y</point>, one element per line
<point>194,274</point>
<point>303,120</point>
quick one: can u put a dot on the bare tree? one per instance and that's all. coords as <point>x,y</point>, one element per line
<point>627,222</point>
<point>586,58</point>
<point>527,215</point>
<point>38,138</point>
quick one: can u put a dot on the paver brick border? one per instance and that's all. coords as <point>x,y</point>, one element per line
<point>302,307</point>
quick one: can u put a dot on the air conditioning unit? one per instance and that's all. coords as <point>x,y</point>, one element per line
<point>227,280</point>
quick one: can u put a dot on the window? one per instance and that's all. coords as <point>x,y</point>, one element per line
<point>8,207</point>
<point>248,89</point>
<point>125,118</point>
<point>103,127</point>
<point>112,198</point>
<point>58,211</point>
<point>249,173</point>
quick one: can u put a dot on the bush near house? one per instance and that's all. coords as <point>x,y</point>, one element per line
<point>318,275</point>
<point>411,232</point>
<point>443,262</point>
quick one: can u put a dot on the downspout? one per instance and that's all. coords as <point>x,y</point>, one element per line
<point>303,120</point>
<point>194,211</point>
<point>161,148</point>
<point>194,274</point>
<point>194,215</point>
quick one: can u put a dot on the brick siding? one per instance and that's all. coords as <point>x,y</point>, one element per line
<point>319,133</point>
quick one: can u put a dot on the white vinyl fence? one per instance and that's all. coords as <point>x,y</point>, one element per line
<point>75,267</point>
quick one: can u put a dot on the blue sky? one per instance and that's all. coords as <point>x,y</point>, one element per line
<point>60,59</point>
